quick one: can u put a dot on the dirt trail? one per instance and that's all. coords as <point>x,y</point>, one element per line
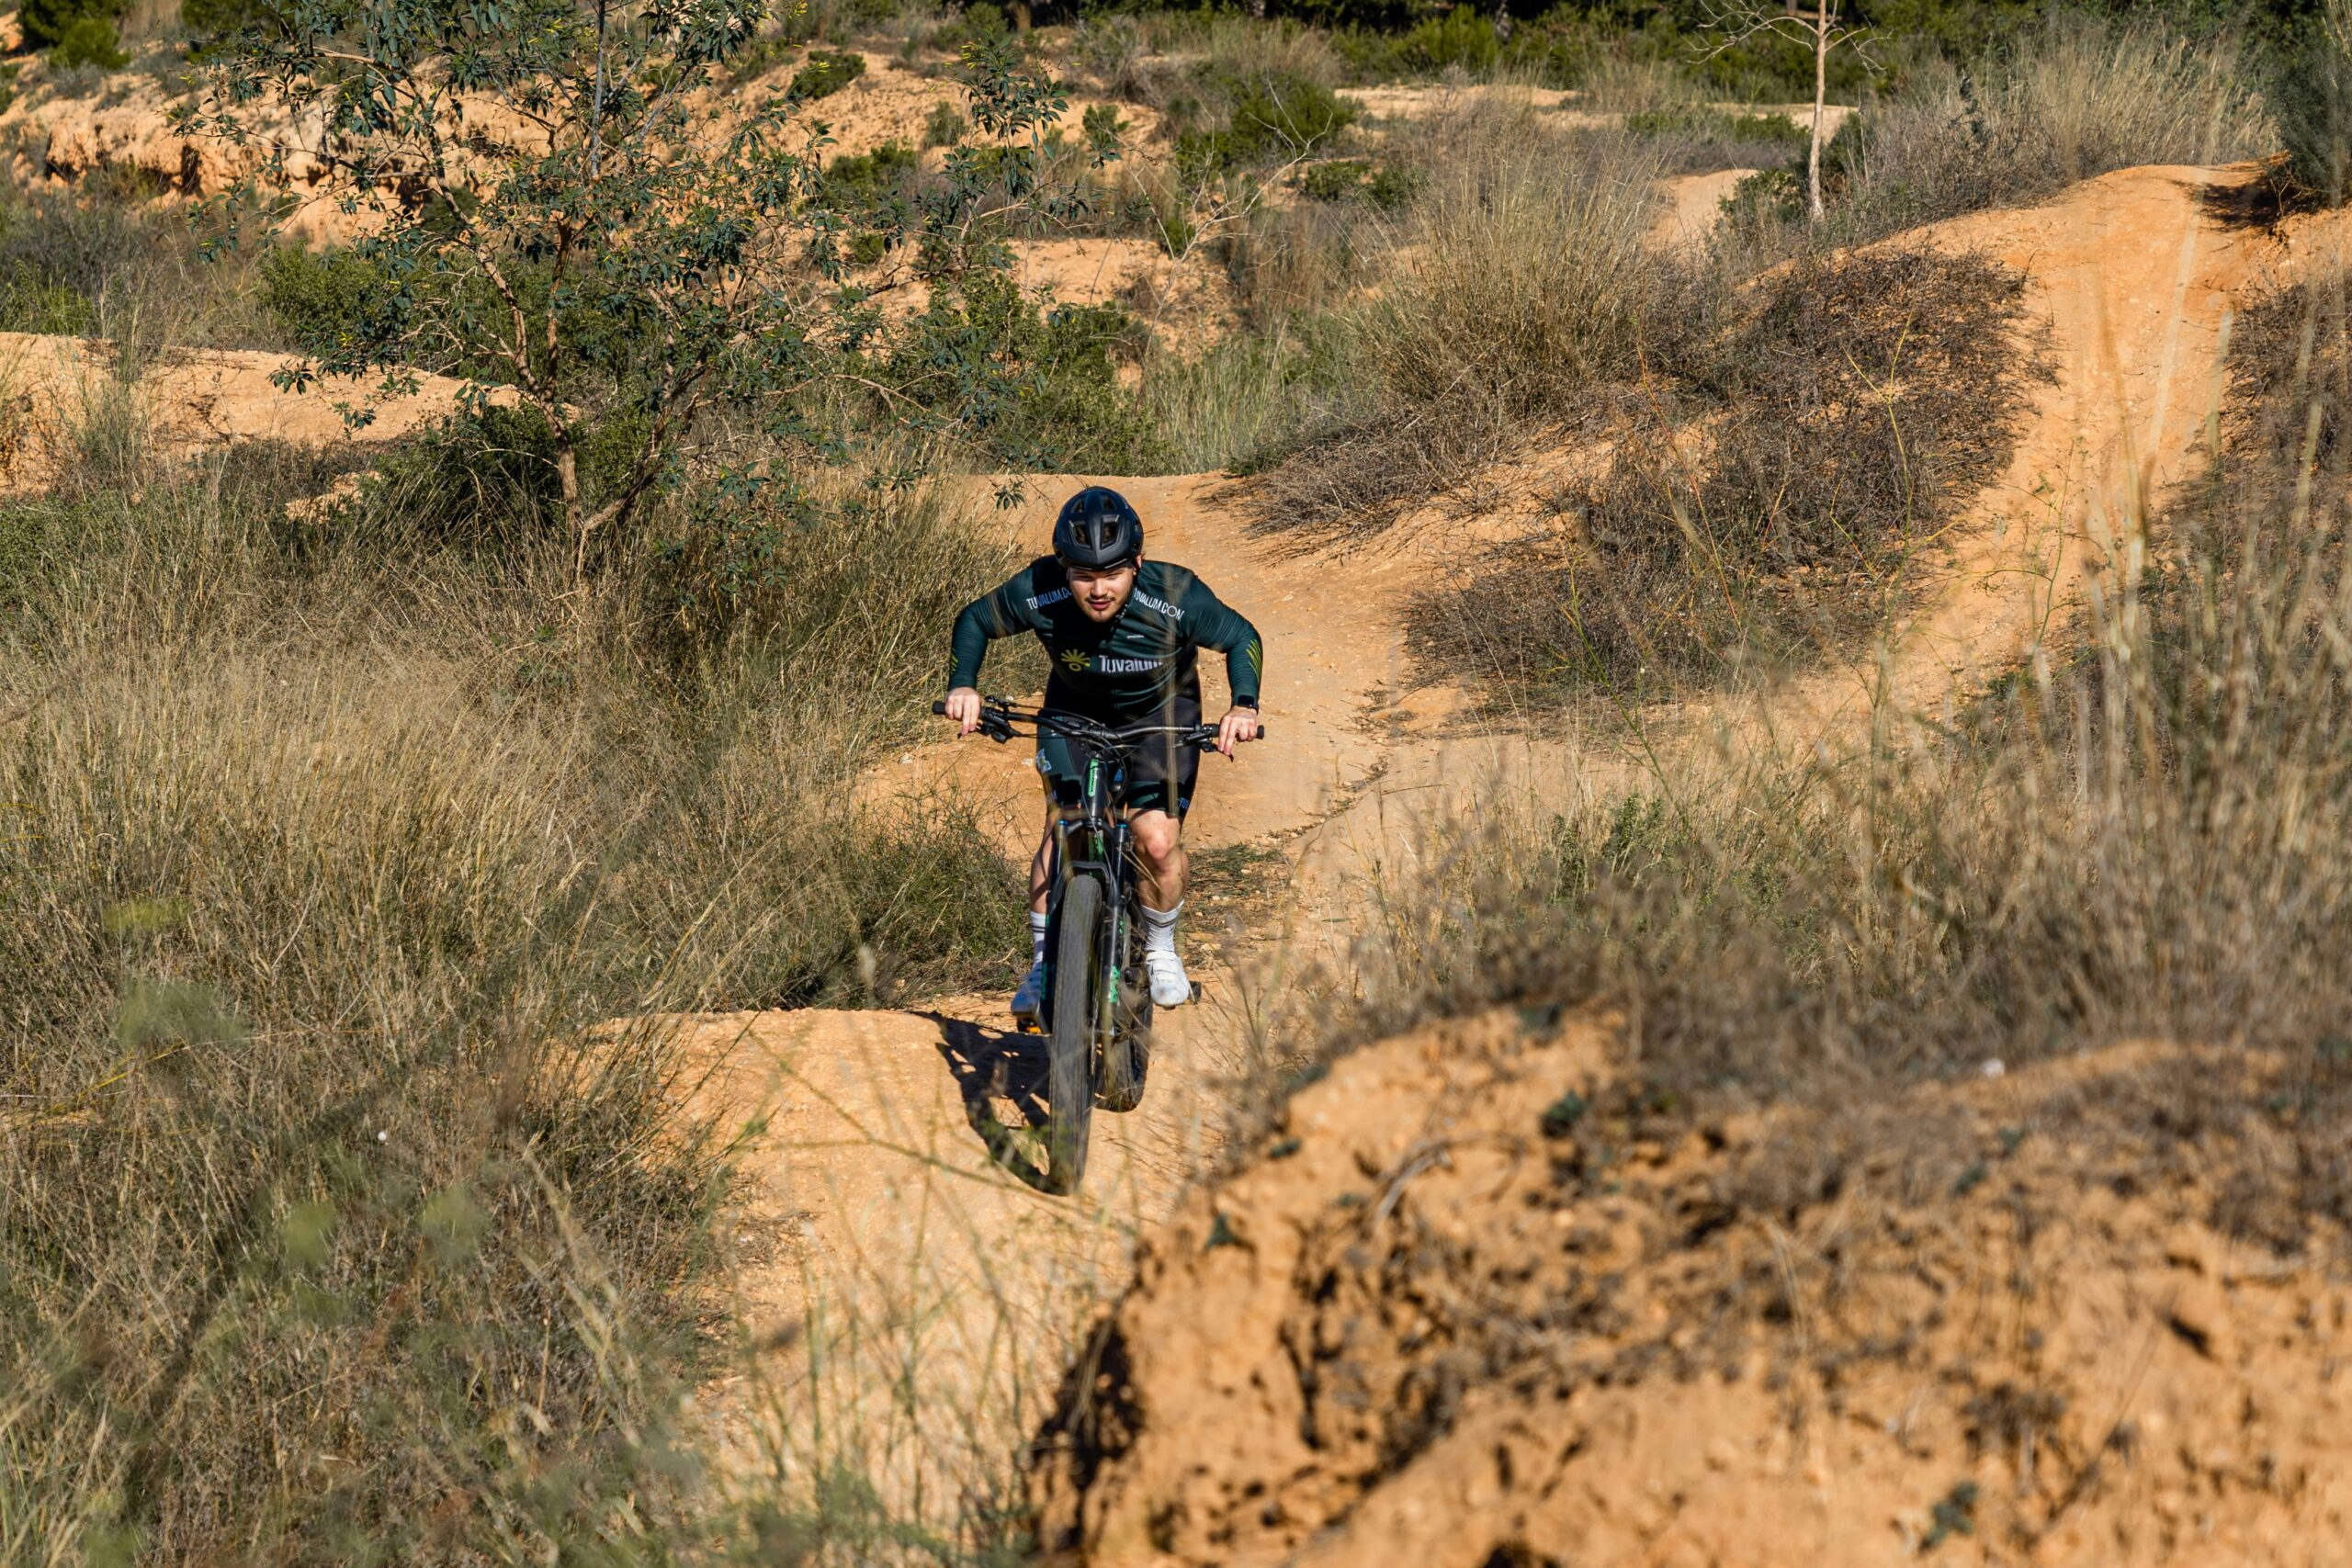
<point>877,1207</point>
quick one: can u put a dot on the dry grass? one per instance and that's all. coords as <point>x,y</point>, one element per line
<point>331,1220</point>
<point>1785,493</point>
<point>2070,100</point>
<point>1523,294</point>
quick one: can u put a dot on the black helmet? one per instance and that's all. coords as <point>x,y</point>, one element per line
<point>1097,529</point>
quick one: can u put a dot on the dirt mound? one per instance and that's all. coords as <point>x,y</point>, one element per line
<point>192,401</point>
<point>1476,1305</point>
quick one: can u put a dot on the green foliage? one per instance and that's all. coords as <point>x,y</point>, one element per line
<point>865,179</point>
<point>322,301</point>
<point>943,127</point>
<point>1378,182</point>
<point>1031,387</point>
<point>1693,120</point>
<point>45,23</point>
<point>1275,116</point>
<point>827,73</point>
<point>979,22</point>
<point>89,40</point>
<point>213,21</point>
<point>644,278</point>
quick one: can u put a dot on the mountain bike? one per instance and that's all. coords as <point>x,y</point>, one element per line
<point>1097,1003</point>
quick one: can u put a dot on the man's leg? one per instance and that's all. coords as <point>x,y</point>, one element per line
<point>1159,847</point>
<point>1027,998</point>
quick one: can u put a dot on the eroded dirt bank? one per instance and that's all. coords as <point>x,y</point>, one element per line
<point>1473,1306</point>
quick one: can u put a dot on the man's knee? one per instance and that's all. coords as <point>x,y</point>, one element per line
<point>1158,836</point>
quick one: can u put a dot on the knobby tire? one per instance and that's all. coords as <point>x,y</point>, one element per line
<point>1126,1055</point>
<point>1069,1083</point>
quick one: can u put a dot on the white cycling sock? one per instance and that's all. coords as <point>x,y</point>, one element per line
<point>1160,928</point>
<point>1036,938</point>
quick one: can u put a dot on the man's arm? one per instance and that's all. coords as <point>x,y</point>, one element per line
<point>986,618</point>
<point>1214,624</point>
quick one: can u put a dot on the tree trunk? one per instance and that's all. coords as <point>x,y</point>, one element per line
<point>1812,206</point>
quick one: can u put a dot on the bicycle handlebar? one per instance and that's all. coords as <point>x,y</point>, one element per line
<point>997,715</point>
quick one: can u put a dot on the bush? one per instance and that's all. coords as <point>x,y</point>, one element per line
<point>1275,118</point>
<point>1028,387</point>
<point>45,23</point>
<point>88,41</point>
<point>827,73</point>
<point>318,300</point>
<point>1377,183</point>
<point>944,124</point>
<point>215,21</point>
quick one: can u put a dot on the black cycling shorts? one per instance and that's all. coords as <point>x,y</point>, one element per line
<point>1160,771</point>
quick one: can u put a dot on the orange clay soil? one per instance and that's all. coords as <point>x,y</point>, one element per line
<point>1470,1305</point>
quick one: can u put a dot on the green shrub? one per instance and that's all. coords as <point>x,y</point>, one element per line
<point>1031,388</point>
<point>211,21</point>
<point>944,124</point>
<point>827,73</point>
<point>45,23</point>
<point>89,40</point>
<point>1275,118</point>
<point>316,299</point>
<point>865,178</point>
<point>979,22</point>
<point>1378,183</point>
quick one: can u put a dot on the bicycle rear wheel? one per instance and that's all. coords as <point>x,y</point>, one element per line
<point>1069,1077</point>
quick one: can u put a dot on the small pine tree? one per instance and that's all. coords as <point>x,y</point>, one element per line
<point>89,40</point>
<point>46,22</point>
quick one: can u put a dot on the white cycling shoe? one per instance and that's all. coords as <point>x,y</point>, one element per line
<point>1031,992</point>
<point>1170,988</point>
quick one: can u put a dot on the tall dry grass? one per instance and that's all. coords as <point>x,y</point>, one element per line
<point>1521,294</point>
<point>335,1219</point>
<point>2066,101</point>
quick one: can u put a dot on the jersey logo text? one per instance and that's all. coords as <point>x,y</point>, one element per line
<point>1039,601</point>
<point>1162,606</point>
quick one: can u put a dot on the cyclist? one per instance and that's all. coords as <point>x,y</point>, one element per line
<point>1122,635</point>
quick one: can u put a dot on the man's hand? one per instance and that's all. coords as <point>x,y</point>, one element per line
<point>1238,725</point>
<point>964,707</point>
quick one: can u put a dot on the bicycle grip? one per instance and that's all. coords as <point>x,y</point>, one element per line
<point>939,709</point>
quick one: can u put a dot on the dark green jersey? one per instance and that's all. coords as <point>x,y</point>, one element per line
<point>1128,670</point>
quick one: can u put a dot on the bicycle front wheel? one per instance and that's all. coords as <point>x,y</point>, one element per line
<point>1069,1079</point>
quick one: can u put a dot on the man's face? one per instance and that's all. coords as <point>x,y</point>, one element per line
<point>1100,594</point>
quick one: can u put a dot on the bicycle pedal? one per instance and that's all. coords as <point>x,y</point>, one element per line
<point>1197,993</point>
